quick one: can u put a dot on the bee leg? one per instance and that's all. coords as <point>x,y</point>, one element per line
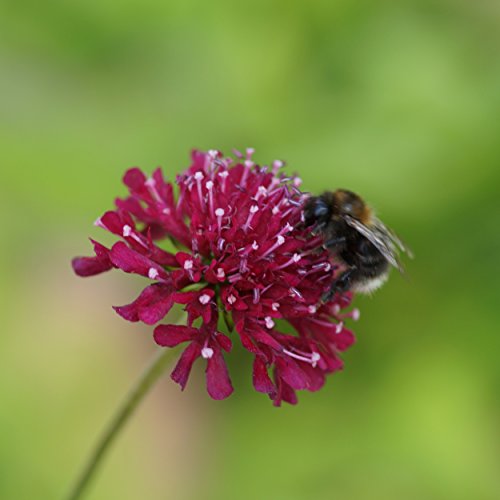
<point>341,284</point>
<point>334,242</point>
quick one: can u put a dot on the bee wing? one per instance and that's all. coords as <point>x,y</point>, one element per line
<point>393,236</point>
<point>380,237</point>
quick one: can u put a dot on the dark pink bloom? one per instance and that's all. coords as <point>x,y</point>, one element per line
<point>247,262</point>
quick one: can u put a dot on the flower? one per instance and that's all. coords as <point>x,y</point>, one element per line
<point>246,261</point>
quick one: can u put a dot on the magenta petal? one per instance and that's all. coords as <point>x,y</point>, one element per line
<point>151,306</point>
<point>288,394</point>
<point>134,178</point>
<point>224,342</point>
<point>290,372</point>
<point>90,266</point>
<point>218,382</point>
<point>183,368</point>
<point>261,380</point>
<point>131,261</point>
<point>172,335</point>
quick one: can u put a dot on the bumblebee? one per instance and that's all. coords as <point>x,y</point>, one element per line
<point>364,247</point>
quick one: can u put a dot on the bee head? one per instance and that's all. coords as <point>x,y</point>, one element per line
<point>317,210</point>
<point>351,204</point>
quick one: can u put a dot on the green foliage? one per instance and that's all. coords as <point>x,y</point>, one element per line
<point>396,100</point>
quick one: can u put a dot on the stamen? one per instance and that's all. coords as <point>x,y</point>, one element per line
<point>207,352</point>
<point>204,299</point>
<point>188,265</point>
<point>127,230</point>
<point>312,358</point>
<point>269,322</point>
<point>315,357</point>
<point>199,176</point>
<point>151,184</point>
<point>256,295</point>
<point>275,306</point>
<point>231,299</point>
<point>153,273</point>
<point>339,327</point>
<point>223,175</point>
<point>209,185</point>
<point>312,309</point>
<point>261,191</point>
<point>279,241</point>
<point>220,273</point>
<point>293,260</point>
<point>253,210</point>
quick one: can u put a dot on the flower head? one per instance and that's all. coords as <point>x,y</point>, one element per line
<point>246,262</point>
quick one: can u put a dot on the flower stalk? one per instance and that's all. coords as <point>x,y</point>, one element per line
<point>150,375</point>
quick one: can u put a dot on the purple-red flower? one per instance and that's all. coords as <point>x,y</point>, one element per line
<point>246,262</point>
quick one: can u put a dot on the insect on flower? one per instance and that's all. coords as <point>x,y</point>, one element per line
<point>245,260</point>
<point>361,242</point>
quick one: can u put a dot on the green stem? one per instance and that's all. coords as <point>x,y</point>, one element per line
<point>149,377</point>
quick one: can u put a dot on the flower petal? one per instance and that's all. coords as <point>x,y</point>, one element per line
<point>131,261</point>
<point>183,368</point>
<point>218,382</point>
<point>261,380</point>
<point>152,305</point>
<point>172,335</point>
<point>90,266</point>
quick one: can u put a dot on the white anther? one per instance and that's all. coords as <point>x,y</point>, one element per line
<point>223,174</point>
<point>204,299</point>
<point>231,299</point>
<point>188,265</point>
<point>209,185</point>
<point>315,357</point>
<point>339,327</point>
<point>277,163</point>
<point>254,209</point>
<point>262,190</point>
<point>127,230</point>
<point>166,211</point>
<point>220,273</point>
<point>275,306</point>
<point>269,322</point>
<point>248,163</point>
<point>355,314</point>
<point>150,182</point>
<point>212,152</point>
<point>297,181</point>
<point>275,210</point>
<point>288,227</point>
<point>312,309</point>
<point>198,176</point>
<point>296,257</point>
<point>255,245</point>
<point>280,240</point>
<point>250,151</point>
<point>207,352</point>
<point>219,212</point>
<point>153,273</point>
<point>336,309</point>
<point>328,267</point>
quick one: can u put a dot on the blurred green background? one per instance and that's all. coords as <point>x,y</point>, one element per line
<point>398,100</point>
